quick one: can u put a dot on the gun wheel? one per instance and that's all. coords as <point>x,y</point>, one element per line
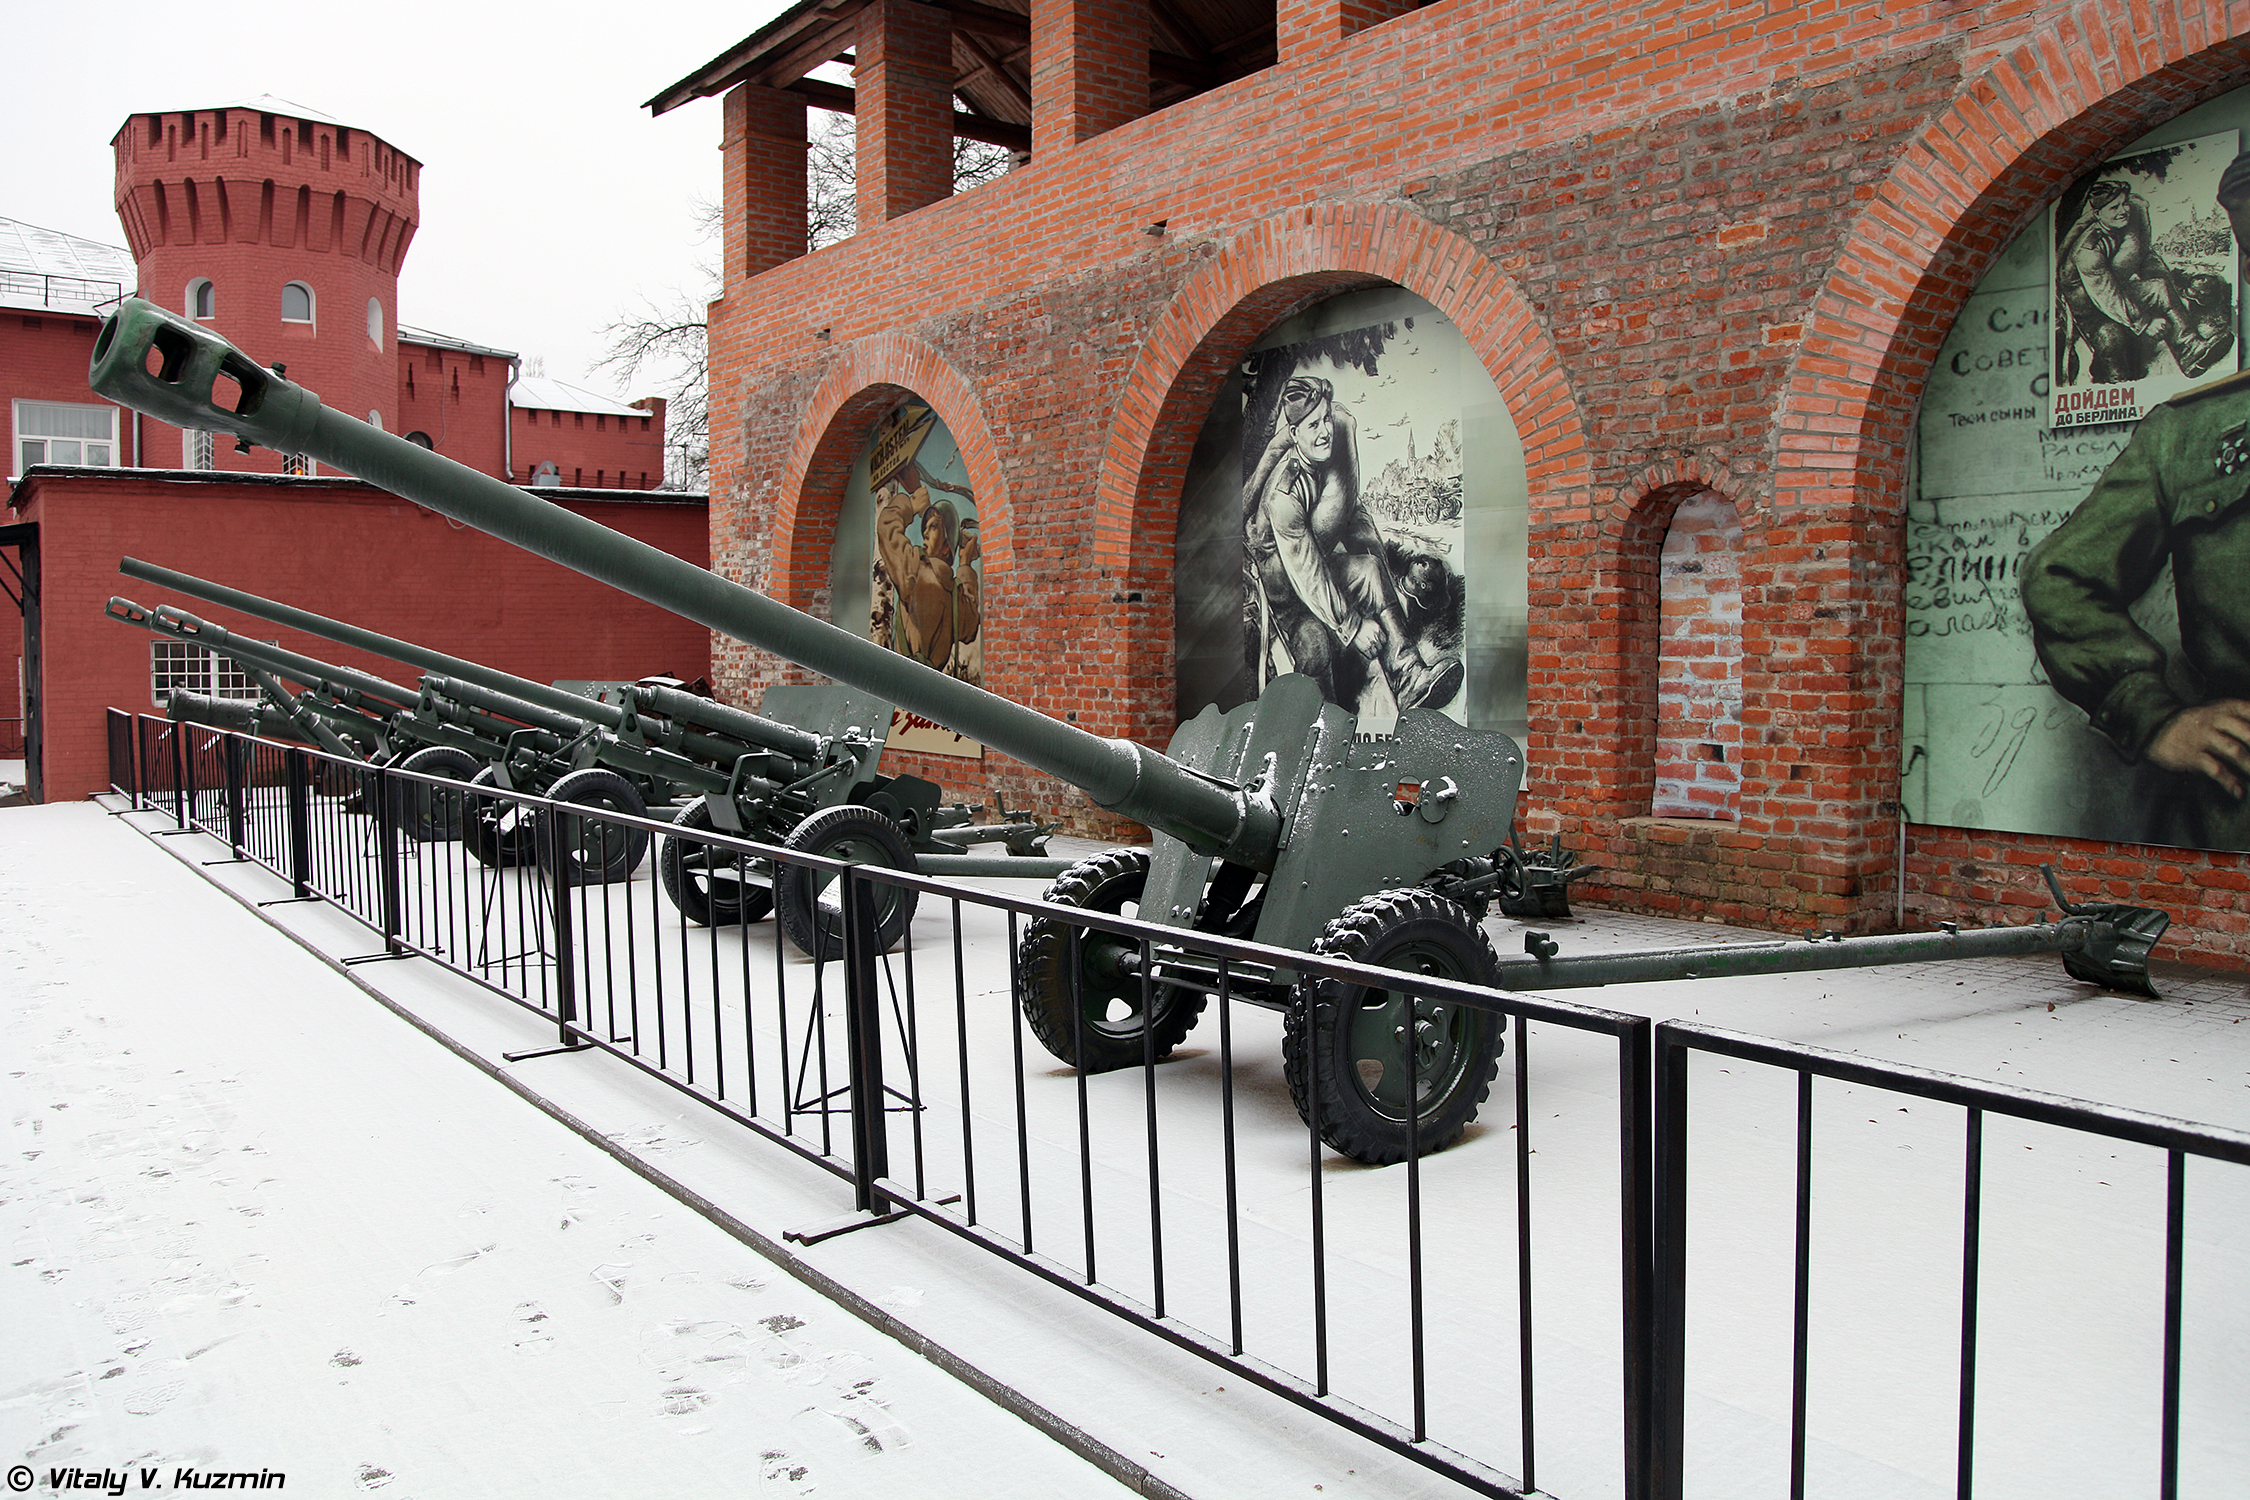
<point>1107,1027</point>
<point>1387,1072</point>
<point>434,814</point>
<point>707,884</point>
<point>496,830</point>
<point>809,903</point>
<point>592,851</point>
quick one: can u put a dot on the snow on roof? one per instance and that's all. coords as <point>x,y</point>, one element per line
<point>47,270</point>
<point>548,394</point>
<point>408,334</point>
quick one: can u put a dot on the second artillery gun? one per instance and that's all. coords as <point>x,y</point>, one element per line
<point>1274,820</point>
<point>803,774</point>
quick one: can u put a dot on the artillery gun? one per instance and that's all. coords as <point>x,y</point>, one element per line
<point>1273,820</point>
<point>358,715</point>
<point>803,775</point>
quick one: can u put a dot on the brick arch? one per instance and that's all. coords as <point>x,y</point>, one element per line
<point>1631,576</point>
<point>1265,273</point>
<point>2100,74</point>
<point>868,378</point>
<point>1281,265</point>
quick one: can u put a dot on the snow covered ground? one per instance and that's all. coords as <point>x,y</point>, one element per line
<point>253,1161</point>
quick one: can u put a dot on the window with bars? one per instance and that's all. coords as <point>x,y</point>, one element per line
<point>185,667</point>
<point>202,449</point>
<point>295,463</point>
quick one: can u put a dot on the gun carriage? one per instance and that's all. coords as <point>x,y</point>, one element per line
<point>803,775</point>
<point>1274,820</point>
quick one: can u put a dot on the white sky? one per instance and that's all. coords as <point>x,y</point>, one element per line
<point>552,203</point>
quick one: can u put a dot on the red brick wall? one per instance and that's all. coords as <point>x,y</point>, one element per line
<point>459,399</point>
<point>252,202</point>
<point>45,356</point>
<point>1697,248</point>
<point>1699,663</point>
<point>591,450</point>
<point>339,548</point>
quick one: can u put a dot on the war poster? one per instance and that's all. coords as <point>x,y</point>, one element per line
<point>1356,511</point>
<point>926,577</point>
<point>2143,286</point>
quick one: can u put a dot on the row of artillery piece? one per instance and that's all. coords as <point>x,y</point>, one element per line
<point>1275,821</point>
<point>804,775</point>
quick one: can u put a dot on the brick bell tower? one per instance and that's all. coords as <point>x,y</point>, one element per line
<point>282,230</point>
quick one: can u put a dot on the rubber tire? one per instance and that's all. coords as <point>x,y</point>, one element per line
<point>434,815</point>
<point>848,832</point>
<point>682,865</point>
<point>1334,1027</point>
<point>593,852</point>
<point>496,831</point>
<point>1099,1042</point>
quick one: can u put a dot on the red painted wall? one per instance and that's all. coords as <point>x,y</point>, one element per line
<point>458,398</point>
<point>253,201</point>
<point>43,357</point>
<point>592,450</point>
<point>339,548</point>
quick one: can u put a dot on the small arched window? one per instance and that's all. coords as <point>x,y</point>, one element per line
<point>296,303</point>
<point>202,301</point>
<point>375,321</point>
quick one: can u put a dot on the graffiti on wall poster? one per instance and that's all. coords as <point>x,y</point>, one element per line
<point>927,595</point>
<point>2143,283</point>
<point>2073,661</point>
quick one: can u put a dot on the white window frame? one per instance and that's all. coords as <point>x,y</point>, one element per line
<point>185,666</point>
<point>312,304</point>
<point>19,459</point>
<point>201,284</point>
<point>199,448</point>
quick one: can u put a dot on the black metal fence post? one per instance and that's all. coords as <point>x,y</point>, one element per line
<point>1664,1394</point>
<point>233,750</point>
<point>180,764</point>
<point>863,1039</point>
<point>297,770</point>
<point>557,868</point>
<point>381,788</point>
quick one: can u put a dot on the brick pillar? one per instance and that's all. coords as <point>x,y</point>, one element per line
<point>903,141</point>
<point>1305,29</point>
<point>764,180</point>
<point>1089,69</point>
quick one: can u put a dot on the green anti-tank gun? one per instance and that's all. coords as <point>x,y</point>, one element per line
<point>1274,820</point>
<point>804,775</point>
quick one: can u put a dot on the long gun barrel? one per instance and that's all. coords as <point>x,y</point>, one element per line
<point>190,362</point>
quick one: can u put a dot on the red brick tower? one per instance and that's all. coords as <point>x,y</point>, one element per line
<point>283,230</point>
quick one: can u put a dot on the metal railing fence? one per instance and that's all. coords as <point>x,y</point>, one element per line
<point>1939,1317</point>
<point>1191,1197</point>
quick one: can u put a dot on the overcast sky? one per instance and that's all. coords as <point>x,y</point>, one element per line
<point>552,202</point>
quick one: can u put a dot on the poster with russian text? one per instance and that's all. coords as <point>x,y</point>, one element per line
<point>2143,283</point>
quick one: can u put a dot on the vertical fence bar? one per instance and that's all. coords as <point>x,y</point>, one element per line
<point>1654,1473</point>
<point>863,1026</point>
<point>179,775</point>
<point>231,750</point>
<point>961,1050</point>
<point>1972,1232</point>
<point>553,868</point>
<point>1523,1256</point>
<point>391,896</point>
<point>1226,1143</point>
<point>1417,1375</point>
<point>2175,1225</point>
<point>1306,1019</point>
<point>1148,1097</point>
<point>1804,1287</point>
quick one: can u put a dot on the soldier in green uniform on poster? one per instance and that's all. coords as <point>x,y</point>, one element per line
<point>2178,494</point>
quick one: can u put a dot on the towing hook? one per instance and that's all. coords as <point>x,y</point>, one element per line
<point>2069,908</point>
